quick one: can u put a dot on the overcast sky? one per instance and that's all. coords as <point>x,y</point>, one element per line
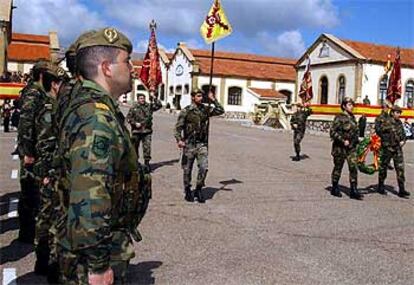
<point>272,27</point>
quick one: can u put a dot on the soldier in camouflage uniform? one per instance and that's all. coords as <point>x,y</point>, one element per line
<point>298,123</point>
<point>140,119</point>
<point>99,166</point>
<point>391,132</point>
<point>191,134</point>
<point>31,99</point>
<point>344,136</point>
<point>45,146</point>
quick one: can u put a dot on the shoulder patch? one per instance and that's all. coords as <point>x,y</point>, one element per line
<point>101,106</point>
<point>101,145</point>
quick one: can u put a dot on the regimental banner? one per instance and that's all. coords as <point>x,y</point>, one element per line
<point>359,109</point>
<point>10,90</point>
<point>216,25</point>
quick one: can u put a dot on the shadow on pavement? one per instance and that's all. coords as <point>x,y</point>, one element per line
<point>5,201</point>
<point>163,163</point>
<point>209,192</point>
<point>14,251</point>
<point>302,157</point>
<point>141,273</point>
<point>30,279</point>
<point>9,224</point>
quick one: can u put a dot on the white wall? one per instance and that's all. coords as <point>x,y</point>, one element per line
<point>332,73</point>
<point>175,79</point>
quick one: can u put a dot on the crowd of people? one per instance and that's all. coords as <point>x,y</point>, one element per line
<point>14,77</point>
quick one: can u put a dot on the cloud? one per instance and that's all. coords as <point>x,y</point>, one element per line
<point>68,17</point>
<point>287,44</point>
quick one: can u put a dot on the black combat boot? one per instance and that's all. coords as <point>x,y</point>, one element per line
<point>42,260</point>
<point>53,273</point>
<point>188,194</point>
<point>199,195</point>
<point>381,189</point>
<point>402,193</point>
<point>335,190</point>
<point>354,194</point>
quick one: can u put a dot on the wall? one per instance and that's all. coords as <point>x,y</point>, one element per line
<point>180,77</point>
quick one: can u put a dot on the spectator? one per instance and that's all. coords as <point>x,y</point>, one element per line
<point>408,129</point>
<point>6,112</point>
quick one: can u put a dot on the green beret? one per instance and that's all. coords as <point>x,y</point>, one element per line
<point>109,37</point>
<point>41,65</point>
<point>396,109</point>
<point>197,91</point>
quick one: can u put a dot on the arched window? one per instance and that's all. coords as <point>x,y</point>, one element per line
<point>141,87</point>
<point>205,89</point>
<point>234,96</point>
<point>341,88</point>
<point>409,94</point>
<point>382,94</point>
<point>171,90</point>
<point>323,90</point>
<point>186,89</point>
<point>161,90</point>
<point>178,89</point>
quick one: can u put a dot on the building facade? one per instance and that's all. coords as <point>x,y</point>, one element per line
<point>356,69</point>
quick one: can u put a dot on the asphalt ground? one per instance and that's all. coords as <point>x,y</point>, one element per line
<point>267,220</point>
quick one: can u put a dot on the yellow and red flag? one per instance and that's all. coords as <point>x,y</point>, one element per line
<point>10,90</point>
<point>216,25</point>
<point>394,83</point>
<point>305,91</point>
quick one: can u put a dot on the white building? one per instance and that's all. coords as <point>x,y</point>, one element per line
<point>348,68</point>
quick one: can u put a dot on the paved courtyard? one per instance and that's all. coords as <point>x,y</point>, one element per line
<point>267,220</point>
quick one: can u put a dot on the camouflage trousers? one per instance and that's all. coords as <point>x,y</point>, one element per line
<point>398,157</point>
<point>339,160</point>
<point>44,238</point>
<point>146,140</point>
<point>190,154</point>
<point>74,268</point>
<point>297,138</point>
<point>29,200</point>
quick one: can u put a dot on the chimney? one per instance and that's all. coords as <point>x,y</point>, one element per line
<point>54,46</point>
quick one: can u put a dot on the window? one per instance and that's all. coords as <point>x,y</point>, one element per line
<point>186,89</point>
<point>171,90</point>
<point>341,88</point>
<point>178,89</point>
<point>409,94</point>
<point>382,95</point>
<point>288,95</point>
<point>323,90</point>
<point>234,96</point>
<point>161,90</point>
<point>141,87</point>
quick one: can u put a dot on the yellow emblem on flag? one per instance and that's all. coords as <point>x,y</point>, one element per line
<point>216,24</point>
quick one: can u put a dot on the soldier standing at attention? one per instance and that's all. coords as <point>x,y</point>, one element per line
<point>31,101</point>
<point>391,132</point>
<point>191,134</point>
<point>140,119</point>
<point>298,123</point>
<point>46,145</point>
<point>344,136</point>
<point>99,163</point>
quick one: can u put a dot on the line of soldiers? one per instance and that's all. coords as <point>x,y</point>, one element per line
<point>344,134</point>
<point>80,176</point>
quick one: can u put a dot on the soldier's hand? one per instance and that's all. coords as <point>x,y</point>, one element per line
<point>138,125</point>
<point>295,126</point>
<point>105,278</point>
<point>28,160</point>
<point>346,142</point>
<point>46,181</point>
<point>211,96</point>
<point>181,144</point>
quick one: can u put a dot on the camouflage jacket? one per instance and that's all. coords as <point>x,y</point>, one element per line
<point>142,114</point>
<point>98,160</point>
<point>344,127</point>
<point>64,97</point>
<point>299,118</point>
<point>46,139</point>
<point>32,100</point>
<point>193,122</point>
<point>391,132</point>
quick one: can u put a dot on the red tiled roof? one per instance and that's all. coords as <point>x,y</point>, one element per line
<point>248,69</point>
<point>28,48</point>
<point>268,93</point>
<point>43,39</point>
<point>379,53</point>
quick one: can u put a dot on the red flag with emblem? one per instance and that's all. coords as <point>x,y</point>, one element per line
<point>394,83</point>
<point>150,74</point>
<point>305,91</point>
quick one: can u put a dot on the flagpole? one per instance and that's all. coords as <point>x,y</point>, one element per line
<point>212,66</point>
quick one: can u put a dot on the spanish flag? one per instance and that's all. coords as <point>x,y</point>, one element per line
<point>216,24</point>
